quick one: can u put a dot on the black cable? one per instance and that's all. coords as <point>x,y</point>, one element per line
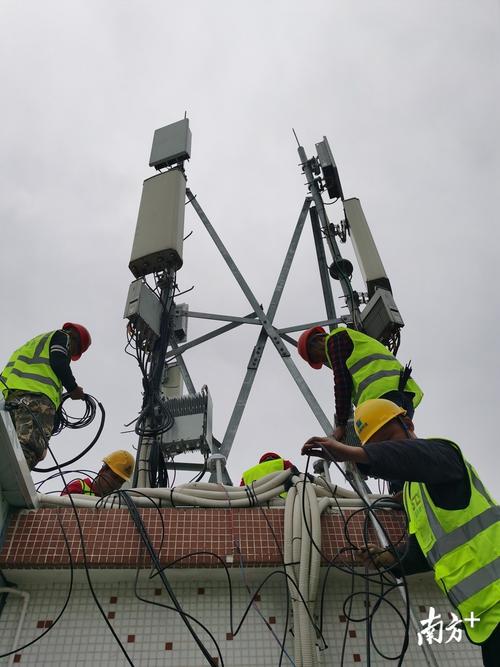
<point>381,572</point>
<point>77,423</point>
<point>39,485</point>
<point>141,528</point>
<point>66,602</point>
<point>82,539</point>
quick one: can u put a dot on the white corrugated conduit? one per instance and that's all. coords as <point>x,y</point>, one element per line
<point>305,502</point>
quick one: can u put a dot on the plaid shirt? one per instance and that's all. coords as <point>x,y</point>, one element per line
<point>340,348</point>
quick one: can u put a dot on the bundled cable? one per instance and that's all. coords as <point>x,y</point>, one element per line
<point>63,420</point>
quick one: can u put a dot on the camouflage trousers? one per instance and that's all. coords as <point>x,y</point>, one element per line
<point>33,425</point>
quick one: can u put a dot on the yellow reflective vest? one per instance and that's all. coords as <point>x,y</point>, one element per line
<point>29,369</point>
<point>263,469</point>
<point>373,369</point>
<point>463,548</point>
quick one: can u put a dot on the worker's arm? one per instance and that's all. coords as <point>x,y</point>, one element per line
<point>329,448</point>
<point>411,559</point>
<point>340,348</point>
<point>414,460</point>
<point>60,358</point>
<point>76,486</point>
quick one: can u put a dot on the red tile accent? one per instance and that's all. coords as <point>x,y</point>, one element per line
<point>352,633</point>
<point>111,614</point>
<point>40,624</point>
<point>257,597</point>
<point>356,657</point>
<point>34,539</point>
<point>17,658</point>
<point>130,639</point>
<point>421,608</point>
<point>229,636</point>
<point>157,591</point>
<point>168,646</point>
<point>272,620</point>
<point>201,591</point>
<point>342,618</point>
<point>113,600</point>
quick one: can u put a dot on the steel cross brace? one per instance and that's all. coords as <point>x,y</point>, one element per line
<point>267,330</point>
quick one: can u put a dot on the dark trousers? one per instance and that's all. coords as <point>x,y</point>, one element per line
<point>491,649</point>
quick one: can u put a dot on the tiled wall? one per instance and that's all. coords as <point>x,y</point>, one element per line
<point>34,539</point>
<point>153,636</point>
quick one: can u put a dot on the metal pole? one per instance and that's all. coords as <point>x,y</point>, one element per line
<point>323,268</point>
<point>334,249</point>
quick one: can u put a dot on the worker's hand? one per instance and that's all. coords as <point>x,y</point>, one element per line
<point>339,433</point>
<point>374,556</point>
<point>329,448</point>
<point>77,394</point>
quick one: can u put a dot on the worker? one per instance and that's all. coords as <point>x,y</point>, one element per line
<point>32,383</point>
<point>454,524</point>
<point>117,469</point>
<point>268,463</point>
<point>362,368</point>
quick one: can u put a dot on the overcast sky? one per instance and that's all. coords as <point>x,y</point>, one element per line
<point>408,96</point>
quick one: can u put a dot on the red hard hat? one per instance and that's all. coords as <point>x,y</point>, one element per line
<point>302,345</point>
<point>269,456</point>
<point>85,338</point>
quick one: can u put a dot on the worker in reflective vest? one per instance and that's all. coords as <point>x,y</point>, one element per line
<point>362,368</point>
<point>32,383</point>
<point>454,523</point>
<point>268,463</point>
<point>117,469</point>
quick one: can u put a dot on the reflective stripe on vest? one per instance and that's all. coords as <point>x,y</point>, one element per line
<point>373,369</point>
<point>29,370</point>
<point>463,548</point>
<point>86,488</point>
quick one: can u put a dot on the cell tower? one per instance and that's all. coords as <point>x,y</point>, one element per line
<point>171,423</point>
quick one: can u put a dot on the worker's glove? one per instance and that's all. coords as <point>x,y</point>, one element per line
<point>77,394</point>
<point>374,556</point>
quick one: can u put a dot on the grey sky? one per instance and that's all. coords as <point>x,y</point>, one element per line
<point>408,95</point>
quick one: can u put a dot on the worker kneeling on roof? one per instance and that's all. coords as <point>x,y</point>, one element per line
<point>362,368</point>
<point>268,463</point>
<point>117,469</point>
<point>454,523</point>
<point>32,382</point>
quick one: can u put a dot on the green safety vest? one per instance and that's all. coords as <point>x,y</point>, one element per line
<point>373,369</point>
<point>86,490</point>
<point>29,369</point>
<point>263,469</point>
<point>463,548</point>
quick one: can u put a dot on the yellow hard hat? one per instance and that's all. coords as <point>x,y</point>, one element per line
<point>371,415</point>
<point>121,462</point>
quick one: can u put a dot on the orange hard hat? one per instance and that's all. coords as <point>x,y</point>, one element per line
<point>85,339</point>
<point>302,345</point>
